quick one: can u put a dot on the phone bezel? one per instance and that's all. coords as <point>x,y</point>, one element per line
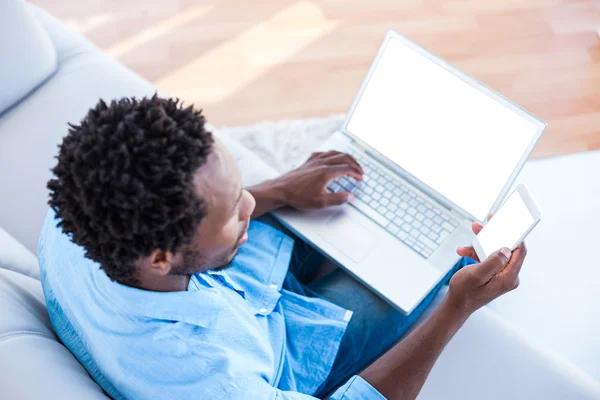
<point>533,209</point>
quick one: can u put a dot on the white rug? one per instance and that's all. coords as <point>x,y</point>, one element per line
<point>285,144</point>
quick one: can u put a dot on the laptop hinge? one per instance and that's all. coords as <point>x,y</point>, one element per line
<point>457,215</point>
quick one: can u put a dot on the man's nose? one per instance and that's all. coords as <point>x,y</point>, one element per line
<point>249,207</point>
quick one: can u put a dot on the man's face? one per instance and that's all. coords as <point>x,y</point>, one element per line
<point>224,228</point>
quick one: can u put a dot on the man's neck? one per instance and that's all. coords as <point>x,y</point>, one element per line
<point>168,283</point>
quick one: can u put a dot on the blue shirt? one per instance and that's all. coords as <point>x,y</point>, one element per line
<point>235,334</point>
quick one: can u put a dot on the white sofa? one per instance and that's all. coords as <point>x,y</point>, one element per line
<point>55,76</point>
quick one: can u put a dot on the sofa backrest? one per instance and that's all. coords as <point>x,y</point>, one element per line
<point>28,56</point>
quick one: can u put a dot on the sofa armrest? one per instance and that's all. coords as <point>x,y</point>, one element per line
<point>15,257</point>
<point>488,359</point>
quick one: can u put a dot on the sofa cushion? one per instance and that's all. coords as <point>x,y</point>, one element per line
<point>35,364</point>
<point>14,256</point>
<point>28,56</point>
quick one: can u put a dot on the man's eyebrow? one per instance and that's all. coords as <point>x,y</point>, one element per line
<point>239,198</point>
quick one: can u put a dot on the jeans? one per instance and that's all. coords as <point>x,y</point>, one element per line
<point>375,325</point>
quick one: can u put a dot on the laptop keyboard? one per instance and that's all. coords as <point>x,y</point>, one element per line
<point>397,207</point>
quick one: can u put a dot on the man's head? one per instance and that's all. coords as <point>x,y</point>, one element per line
<point>148,192</point>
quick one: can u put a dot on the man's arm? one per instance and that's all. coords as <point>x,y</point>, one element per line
<point>401,372</point>
<point>306,187</point>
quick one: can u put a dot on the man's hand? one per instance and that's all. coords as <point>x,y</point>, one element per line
<point>305,187</point>
<point>401,372</point>
<point>474,286</point>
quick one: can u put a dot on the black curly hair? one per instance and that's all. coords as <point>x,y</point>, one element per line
<point>123,187</point>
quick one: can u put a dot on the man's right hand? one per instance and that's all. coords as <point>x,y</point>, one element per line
<point>476,285</point>
<point>401,372</point>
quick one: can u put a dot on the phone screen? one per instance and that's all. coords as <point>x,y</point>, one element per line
<point>507,226</point>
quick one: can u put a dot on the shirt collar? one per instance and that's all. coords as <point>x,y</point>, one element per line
<point>197,307</point>
<point>226,280</point>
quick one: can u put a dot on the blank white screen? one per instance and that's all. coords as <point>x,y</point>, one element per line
<point>446,133</point>
<point>507,226</point>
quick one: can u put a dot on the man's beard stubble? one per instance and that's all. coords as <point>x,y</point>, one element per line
<point>194,262</point>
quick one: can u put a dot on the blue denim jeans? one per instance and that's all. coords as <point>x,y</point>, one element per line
<point>375,325</point>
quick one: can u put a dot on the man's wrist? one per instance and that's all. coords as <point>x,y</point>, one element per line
<point>269,195</point>
<point>453,307</point>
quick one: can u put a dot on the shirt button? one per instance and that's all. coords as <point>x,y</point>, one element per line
<point>262,311</point>
<point>273,286</point>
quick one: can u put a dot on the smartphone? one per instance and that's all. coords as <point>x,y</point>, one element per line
<point>517,216</point>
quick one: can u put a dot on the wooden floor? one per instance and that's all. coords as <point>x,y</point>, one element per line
<point>245,61</point>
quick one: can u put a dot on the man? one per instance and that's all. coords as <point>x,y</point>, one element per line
<point>195,301</point>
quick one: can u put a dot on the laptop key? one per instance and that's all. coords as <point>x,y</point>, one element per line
<point>447,226</point>
<point>390,215</point>
<point>402,235</point>
<point>427,242</point>
<point>393,228</point>
<point>433,236</point>
<point>428,223</point>
<point>443,235</point>
<point>369,212</point>
<point>416,224</point>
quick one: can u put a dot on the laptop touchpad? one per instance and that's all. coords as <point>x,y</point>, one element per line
<point>348,236</point>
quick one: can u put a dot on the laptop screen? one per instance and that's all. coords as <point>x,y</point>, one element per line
<point>445,132</point>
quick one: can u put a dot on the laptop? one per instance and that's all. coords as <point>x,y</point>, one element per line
<point>439,150</point>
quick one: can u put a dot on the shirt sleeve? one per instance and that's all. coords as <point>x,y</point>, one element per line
<point>356,388</point>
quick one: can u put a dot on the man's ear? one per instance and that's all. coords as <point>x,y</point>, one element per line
<point>160,262</point>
